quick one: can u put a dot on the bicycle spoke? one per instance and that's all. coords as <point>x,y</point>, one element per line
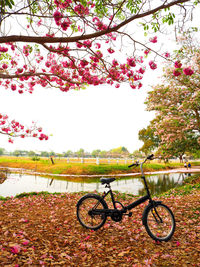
<point>160,223</point>
<point>90,212</point>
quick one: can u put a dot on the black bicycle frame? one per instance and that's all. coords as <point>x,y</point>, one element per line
<point>132,205</point>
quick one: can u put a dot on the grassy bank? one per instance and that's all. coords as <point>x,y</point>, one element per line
<point>61,166</point>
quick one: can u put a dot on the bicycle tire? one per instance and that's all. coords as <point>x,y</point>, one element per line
<point>159,222</point>
<point>85,206</point>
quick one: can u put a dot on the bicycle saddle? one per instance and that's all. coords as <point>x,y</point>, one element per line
<point>106,180</point>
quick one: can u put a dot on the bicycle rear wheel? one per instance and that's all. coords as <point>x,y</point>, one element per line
<point>90,211</point>
<point>159,222</point>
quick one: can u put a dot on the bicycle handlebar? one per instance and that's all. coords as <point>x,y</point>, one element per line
<point>150,157</point>
<point>134,164</point>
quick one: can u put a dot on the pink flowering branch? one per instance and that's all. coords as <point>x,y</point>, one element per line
<point>13,128</point>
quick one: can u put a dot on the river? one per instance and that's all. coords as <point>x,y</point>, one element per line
<point>17,183</point>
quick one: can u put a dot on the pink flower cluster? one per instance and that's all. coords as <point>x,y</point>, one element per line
<point>62,4</point>
<point>178,71</point>
<point>15,129</point>
<point>153,39</point>
<point>58,17</point>
<point>3,49</point>
<point>81,10</point>
<point>152,65</point>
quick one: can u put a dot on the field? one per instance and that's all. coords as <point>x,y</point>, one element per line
<point>88,167</point>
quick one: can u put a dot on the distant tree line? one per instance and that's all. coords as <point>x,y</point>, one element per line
<point>119,152</point>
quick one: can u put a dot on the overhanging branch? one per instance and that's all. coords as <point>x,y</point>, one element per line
<point>42,40</point>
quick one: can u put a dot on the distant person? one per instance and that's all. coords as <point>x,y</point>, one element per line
<point>189,165</point>
<point>185,165</point>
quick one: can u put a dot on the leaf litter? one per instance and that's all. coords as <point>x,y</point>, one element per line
<point>42,230</point>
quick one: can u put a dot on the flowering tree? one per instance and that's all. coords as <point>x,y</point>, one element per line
<point>69,44</point>
<point>177,103</point>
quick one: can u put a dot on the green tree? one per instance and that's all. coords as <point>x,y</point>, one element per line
<point>80,152</point>
<point>44,154</point>
<point>119,151</point>
<point>103,154</point>
<point>2,151</point>
<point>95,153</point>
<point>31,154</point>
<point>150,140</point>
<point>17,153</point>
<point>137,154</point>
<point>69,153</point>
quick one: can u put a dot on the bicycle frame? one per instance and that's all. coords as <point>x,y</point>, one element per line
<point>132,205</point>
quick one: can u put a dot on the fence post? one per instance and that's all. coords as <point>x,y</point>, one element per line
<point>52,161</point>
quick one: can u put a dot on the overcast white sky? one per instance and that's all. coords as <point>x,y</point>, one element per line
<point>100,117</point>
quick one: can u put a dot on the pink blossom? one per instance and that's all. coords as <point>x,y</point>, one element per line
<point>48,64</point>
<point>141,70</point>
<point>188,71</point>
<point>39,23</point>
<point>3,49</point>
<point>152,65</point>
<point>167,55</point>
<point>131,62</point>
<point>13,87</point>
<point>153,40</point>
<point>4,66</point>
<point>57,16</point>
<point>146,52</point>
<point>65,24</point>
<point>83,63</point>
<point>176,72</point>
<point>15,249</point>
<point>25,242</point>
<point>79,45</point>
<point>177,64</point>
<point>98,45</point>
<point>110,50</point>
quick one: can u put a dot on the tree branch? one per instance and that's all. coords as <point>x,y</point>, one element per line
<point>42,40</point>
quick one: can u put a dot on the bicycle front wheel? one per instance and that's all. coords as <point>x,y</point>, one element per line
<point>159,222</point>
<point>90,211</point>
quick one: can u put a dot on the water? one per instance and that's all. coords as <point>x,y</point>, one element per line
<point>17,183</point>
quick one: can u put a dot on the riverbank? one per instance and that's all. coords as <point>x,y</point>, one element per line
<point>42,230</point>
<point>61,167</point>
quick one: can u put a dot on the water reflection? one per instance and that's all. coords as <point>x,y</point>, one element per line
<point>20,183</point>
<point>163,182</point>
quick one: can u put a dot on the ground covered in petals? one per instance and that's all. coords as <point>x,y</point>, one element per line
<point>42,230</point>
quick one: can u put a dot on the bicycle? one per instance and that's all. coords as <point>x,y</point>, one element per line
<point>158,219</point>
